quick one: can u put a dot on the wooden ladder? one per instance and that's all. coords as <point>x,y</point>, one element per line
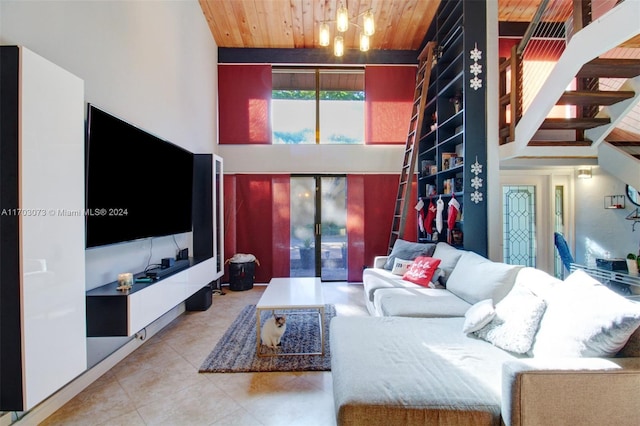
<point>415,126</point>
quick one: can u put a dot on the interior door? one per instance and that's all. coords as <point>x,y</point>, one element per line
<point>318,227</point>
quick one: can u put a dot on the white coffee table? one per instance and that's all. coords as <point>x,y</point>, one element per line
<point>289,294</point>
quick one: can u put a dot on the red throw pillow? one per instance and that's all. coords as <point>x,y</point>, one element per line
<point>421,270</point>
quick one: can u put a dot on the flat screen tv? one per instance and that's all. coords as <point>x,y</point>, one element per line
<point>137,185</point>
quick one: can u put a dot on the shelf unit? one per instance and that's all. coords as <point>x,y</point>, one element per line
<point>452,145</point>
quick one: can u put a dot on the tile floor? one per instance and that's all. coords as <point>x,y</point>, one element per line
<point>159,383</point>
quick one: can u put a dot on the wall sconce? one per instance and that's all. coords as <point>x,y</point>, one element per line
<point>584,173</point>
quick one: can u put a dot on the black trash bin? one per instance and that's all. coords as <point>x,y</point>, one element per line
<point>242,270</point>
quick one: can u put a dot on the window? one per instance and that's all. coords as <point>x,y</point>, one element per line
<point>310,106</point>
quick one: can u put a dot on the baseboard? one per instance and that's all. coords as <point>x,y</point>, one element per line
<point>56,401</point>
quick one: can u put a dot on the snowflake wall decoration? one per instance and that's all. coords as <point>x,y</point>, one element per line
<point>476,69</point>
<point>476,182</point>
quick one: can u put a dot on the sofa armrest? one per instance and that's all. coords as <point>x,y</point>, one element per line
<point>586,391</point>
<point>379,261</point>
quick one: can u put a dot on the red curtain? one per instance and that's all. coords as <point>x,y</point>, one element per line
<point>244,99</point>
<point>389,99</point>
<point>370,204</point>
<point>281,226</point>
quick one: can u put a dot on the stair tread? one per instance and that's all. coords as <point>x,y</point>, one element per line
<point>598,97</point>
<point>560,143</point>
<point>573,123</point>
<point>610,67</point>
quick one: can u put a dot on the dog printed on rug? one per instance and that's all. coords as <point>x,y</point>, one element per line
<point>272,331</point>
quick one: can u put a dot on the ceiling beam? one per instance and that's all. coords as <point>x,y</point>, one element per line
<point>230,55</point>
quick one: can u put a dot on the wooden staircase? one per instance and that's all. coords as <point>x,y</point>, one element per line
<point>410,153</point>
<point>588,99</point>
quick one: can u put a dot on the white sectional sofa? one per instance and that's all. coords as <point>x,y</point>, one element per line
<point>387,294</point>
<point>498,345</point>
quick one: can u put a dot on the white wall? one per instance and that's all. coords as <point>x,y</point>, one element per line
<point>152,63</point>
<point>600,230</point>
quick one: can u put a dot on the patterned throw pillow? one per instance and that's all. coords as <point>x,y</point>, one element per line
<point>401,266</point>
<point>421,270</point>
<point>516,322</point>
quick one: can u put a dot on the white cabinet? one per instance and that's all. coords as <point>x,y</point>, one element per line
<point>42,267</point>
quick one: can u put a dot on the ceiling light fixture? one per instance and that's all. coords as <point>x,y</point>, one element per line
<point>584,173</point>
<point>342,21</point>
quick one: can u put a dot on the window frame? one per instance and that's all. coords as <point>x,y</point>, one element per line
<point>317,73</point>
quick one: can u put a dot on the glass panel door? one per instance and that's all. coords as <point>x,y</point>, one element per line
<point>333,238</point>
<point>519,224</point>
<point>318,227</point>
<point>303,220</point>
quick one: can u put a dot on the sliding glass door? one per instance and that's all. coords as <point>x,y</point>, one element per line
<point>318,227</point>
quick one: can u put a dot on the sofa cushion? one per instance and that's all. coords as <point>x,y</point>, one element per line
<point>421,270</point>
<point>374,279</point>
<point>585,318</point>
<point>537,282</point>
<point>476,278</point>
<point>396,371</point>
<point>478,316</point>
<point>632,347</point>
<point>418,302</point>
<point>400,266</point>
<point>408,251</point>
<point>516,322</point>
<point>448,258</point>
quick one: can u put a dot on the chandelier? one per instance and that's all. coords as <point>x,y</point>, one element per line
<point>342,25</point>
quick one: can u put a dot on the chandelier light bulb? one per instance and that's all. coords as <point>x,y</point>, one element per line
<point>338,46</point>
<point>364,42</point>
<point>342,19</point>
<point>325,35</point>
<point>369,26</point>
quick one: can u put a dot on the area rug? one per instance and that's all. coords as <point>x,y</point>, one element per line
<point>236,350</point>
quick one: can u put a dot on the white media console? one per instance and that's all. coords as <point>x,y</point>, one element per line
<point>111,312</point>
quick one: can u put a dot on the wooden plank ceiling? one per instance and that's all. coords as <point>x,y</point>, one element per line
<point>400,24</point>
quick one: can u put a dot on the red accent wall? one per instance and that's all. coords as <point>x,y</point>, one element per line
<point>388,103</point>
<point>244,99</point>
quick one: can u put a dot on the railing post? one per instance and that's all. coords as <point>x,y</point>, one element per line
<point>502,111</point>
<point>516,91</point>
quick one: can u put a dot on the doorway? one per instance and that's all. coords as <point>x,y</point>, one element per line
<point>318,246</point>
<point>535,204</point>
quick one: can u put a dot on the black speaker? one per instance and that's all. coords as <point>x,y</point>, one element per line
<point>200,300</point>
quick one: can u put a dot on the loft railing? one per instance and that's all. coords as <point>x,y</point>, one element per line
<point>534,57</point>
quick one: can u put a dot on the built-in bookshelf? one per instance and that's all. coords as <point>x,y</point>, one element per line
<point>452,145</point>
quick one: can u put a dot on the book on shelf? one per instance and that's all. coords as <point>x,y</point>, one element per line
<point>447,160</point>
<point>426,167</point>
<point>452,185</point>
